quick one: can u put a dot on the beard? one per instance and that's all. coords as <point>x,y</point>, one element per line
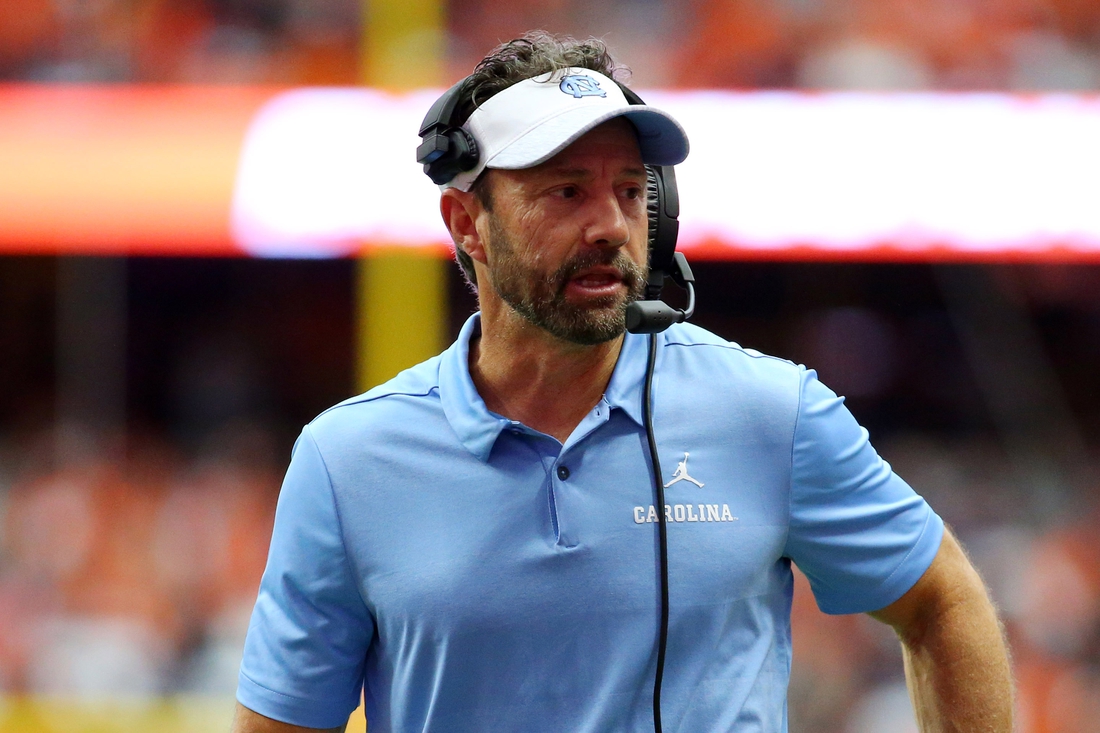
<point>541,300</point>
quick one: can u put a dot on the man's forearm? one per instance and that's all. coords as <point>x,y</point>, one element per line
<point>960,680</point>
<point>958,666</point>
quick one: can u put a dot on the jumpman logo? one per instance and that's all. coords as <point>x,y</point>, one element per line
<point>681,473</point>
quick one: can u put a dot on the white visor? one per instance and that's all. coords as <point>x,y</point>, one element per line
<point>535,119</point>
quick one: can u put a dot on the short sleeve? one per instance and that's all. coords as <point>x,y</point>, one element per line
<point>861,535</point>
<point>308,637</point>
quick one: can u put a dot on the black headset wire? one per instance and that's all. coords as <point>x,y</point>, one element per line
<point>662,529</point>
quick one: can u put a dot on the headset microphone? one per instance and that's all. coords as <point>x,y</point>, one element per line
<point>654,316</point>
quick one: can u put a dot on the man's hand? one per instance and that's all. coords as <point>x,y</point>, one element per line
<point>246,721</point>
<point>956,660</point>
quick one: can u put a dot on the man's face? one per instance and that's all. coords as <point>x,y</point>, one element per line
<point>567,245</point>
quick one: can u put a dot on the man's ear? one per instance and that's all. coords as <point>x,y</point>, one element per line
<point>460,210</point>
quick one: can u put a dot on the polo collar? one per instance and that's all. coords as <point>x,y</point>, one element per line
<point>624,391</point>
<point>478,429</point>
<point>475,426</point>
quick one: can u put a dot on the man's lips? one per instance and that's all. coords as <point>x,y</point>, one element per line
<point>596,281</point>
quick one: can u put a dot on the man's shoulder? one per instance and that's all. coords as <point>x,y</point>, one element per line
<point>719,383</point>
<point>405,396</point>
<point>700,343</point>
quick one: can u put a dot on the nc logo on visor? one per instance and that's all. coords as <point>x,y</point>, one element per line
<point>581,86</point>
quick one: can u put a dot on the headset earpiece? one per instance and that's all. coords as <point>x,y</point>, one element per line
<point>663,207</point>
<point>663,204</point>
<point>651,315</point>
<point>446,149</point>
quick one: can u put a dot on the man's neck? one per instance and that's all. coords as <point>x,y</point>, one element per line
<point>525,374</point>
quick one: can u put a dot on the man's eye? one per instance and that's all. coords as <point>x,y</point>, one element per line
<point>634,193</point>
<point>567,192</point>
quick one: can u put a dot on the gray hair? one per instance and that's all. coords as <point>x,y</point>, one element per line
<point>532,54</point>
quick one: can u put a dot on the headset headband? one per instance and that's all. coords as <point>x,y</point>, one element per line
<point>534,119</point>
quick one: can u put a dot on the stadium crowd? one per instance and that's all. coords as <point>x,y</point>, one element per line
<point>1023,45</point>
<point>130,577</point>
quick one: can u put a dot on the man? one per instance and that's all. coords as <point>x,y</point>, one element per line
<point>472,544</point>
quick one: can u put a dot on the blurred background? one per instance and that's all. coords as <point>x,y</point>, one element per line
<point>148,404</point>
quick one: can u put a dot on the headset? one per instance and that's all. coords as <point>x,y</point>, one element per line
<point>446,149</point>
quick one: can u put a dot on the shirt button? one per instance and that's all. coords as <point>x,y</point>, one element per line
<point>563,472</point>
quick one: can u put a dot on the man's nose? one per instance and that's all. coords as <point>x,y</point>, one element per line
<point>608,226</point>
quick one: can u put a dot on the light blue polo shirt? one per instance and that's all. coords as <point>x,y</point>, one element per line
<point>471,574</point>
